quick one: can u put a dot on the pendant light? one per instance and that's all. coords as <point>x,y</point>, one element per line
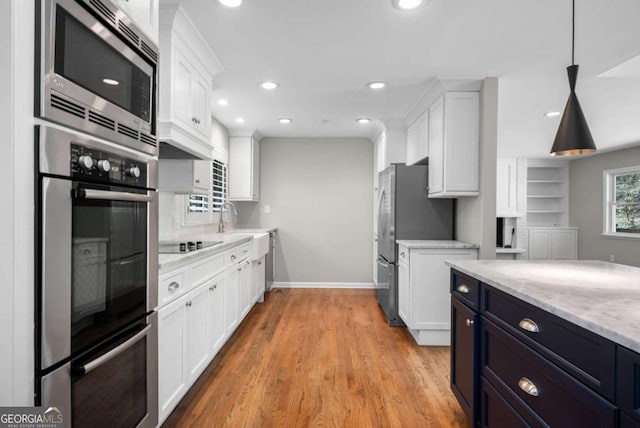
<point>573,137</point>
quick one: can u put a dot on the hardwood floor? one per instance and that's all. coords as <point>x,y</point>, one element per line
<point>321,358</point>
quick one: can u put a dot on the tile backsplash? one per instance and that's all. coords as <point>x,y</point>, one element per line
<point>170,220</point>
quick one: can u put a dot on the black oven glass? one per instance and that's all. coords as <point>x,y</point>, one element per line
<point>113,394</point>
<point>87,60</point>
<point>109,266</point>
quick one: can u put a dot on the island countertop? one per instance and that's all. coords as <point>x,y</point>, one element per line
<point>601,297</point>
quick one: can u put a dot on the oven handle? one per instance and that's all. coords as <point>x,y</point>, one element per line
<point>94,364</point>
<point>111,196</point>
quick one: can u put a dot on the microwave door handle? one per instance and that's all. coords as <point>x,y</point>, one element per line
<point>103,359</point>
<point>111,196</point>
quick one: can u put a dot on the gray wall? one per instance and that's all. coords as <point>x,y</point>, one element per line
<point>476,216</point>
<point>320,192</point>
<point>586,187</point>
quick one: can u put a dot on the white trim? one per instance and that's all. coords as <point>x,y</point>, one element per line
<point>346,285</point>
<point>608,195</point>
<point>620,235</point>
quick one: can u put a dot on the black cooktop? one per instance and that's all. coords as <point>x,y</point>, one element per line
<point>184,247</point>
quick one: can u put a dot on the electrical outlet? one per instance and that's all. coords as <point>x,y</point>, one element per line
<point>267,209</point>
<point>612,258</point>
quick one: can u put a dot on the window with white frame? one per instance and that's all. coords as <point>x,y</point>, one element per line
<point>200,207</point>
<point>622,202</point>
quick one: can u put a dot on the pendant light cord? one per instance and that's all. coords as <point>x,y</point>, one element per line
<point>573,32</point>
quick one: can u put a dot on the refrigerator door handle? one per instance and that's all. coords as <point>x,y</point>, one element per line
<point>380,224</point>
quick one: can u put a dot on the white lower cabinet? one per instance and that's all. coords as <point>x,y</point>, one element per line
<point>216,332</point>
<point>244,281</point>
<point>556,243</point>
<point>231,299</point>
<point>197,349</point>
<point>258,280</point>
<point>423,292</point>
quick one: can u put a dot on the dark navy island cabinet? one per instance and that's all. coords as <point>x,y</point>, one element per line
<point>516,365</point>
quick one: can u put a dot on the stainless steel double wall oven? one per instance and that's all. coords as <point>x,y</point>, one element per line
<point>96,288</point>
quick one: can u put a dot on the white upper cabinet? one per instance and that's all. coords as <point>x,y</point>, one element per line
<point>418,140</point>
<point>244,169</point>
<point>391,145</point>
<point>144,14</point>
<point>187,68</point>
<point>454,144</point>
<point>184,176</point>
<point>506,187</point>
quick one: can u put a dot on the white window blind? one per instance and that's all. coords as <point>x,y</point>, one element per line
<point>200,207</point>
<point>218,185</point>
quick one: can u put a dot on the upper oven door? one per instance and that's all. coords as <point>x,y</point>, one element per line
<point>92,77</point>
<point>95,263</point>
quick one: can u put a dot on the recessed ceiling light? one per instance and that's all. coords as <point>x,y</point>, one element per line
<point>240,120</point>
<point>552,113</point>
<point>223,102</point>
<point>285,120</point>
<point>230,3</point>
<point>363,120</point>
<point>406,4</point>
<point>268,85</point>
<point>376,85</point>
<point>111,82</point>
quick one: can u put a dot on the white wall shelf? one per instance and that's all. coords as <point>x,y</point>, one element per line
<point>547,186</point>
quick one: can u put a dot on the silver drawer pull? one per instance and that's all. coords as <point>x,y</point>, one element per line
<point>527,386</point>
<point>233,257</point>
<point>402,254</point>
<point>174,286</point>
<point>528,325</point>
<point>463,288</point>
<point>469,322</point>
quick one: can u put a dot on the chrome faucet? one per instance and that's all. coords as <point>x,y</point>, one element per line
<point>221,221</point>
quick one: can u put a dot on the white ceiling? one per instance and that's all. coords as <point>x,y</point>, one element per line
<point>322,52</point>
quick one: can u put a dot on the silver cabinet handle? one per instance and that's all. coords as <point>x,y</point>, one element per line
<point>213,287</point>
<point>233,257</point>
<point>239,269</point>
<point>259,263</point>
<point>402,254</point>
<point>188,304</point>
<point>469,322</point>
<point>245,251</point>
<point>247,262</point>
<point>174,286</point>
<point>529,325</point>
<point>527,386</point>
<point>463,288</point>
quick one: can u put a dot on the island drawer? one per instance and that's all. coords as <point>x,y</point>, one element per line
<point>585,355</point>
<point>465,288</point>
<point>496,411</point>
<point>629,384</point>
<point>530,382</point>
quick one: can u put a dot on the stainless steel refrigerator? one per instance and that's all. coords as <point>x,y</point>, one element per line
<point>405,212</point>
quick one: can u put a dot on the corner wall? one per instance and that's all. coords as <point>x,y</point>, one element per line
<point>320,194</point>
<point>476,216</point>
<point>586,207</point>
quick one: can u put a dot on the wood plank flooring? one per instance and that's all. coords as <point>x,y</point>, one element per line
<point>315,358</point>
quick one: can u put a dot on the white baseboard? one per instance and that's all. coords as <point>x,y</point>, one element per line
<point>361,285</point>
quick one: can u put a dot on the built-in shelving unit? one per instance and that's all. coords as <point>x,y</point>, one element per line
<point>547,186</point>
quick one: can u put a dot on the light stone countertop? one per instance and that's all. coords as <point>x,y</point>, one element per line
<point>435,245</point>
<point>502,250</point>
<point>251,229</point>
<point>169,262</point>
<point>602,297</point>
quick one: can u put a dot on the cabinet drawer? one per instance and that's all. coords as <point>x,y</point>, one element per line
<point>231,257</point>
<point>88,251</point>
<point>206,269</point>
<point>587,356</point>
<point>554,396</point>
<point>627,421</point>
<point>496,412</point>
<point>171,286</point>
<point>628,374</point>
<point>465,288</point>
<point>243,251</point>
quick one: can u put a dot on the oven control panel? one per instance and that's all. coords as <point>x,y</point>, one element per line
<point>106,167</point>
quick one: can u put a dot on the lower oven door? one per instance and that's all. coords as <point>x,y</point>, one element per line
<point>114,385</point>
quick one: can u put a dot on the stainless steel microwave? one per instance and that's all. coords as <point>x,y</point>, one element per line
<point>97,72</point>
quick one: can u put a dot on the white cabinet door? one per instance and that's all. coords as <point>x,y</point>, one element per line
<point>201,105</point>
<point>564,244</point>
<point>198,350</point>
<point>423,136</point>
<point>182,82</point>
<point>231,294</point>
<point>412,144</point>
<point>144,14</point>
<point>172,356</point>
<point>258,280</point>
<point>216,331</point>
<point>184,176</point>
<point>404,293</point>
<point>245,289</point>
<point>436,147</point>
<point>244,173</point>
<point>462,141</point>
<point>506,187</point>
<point>539,244</point>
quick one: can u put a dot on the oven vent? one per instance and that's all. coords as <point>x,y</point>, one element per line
<point>101,120</point>
<point>129,132</point>
<point>68,106</point>
<point>129,33</point>
<point>104,11</point>
<point>148,139</point>
<point>146,49</point>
